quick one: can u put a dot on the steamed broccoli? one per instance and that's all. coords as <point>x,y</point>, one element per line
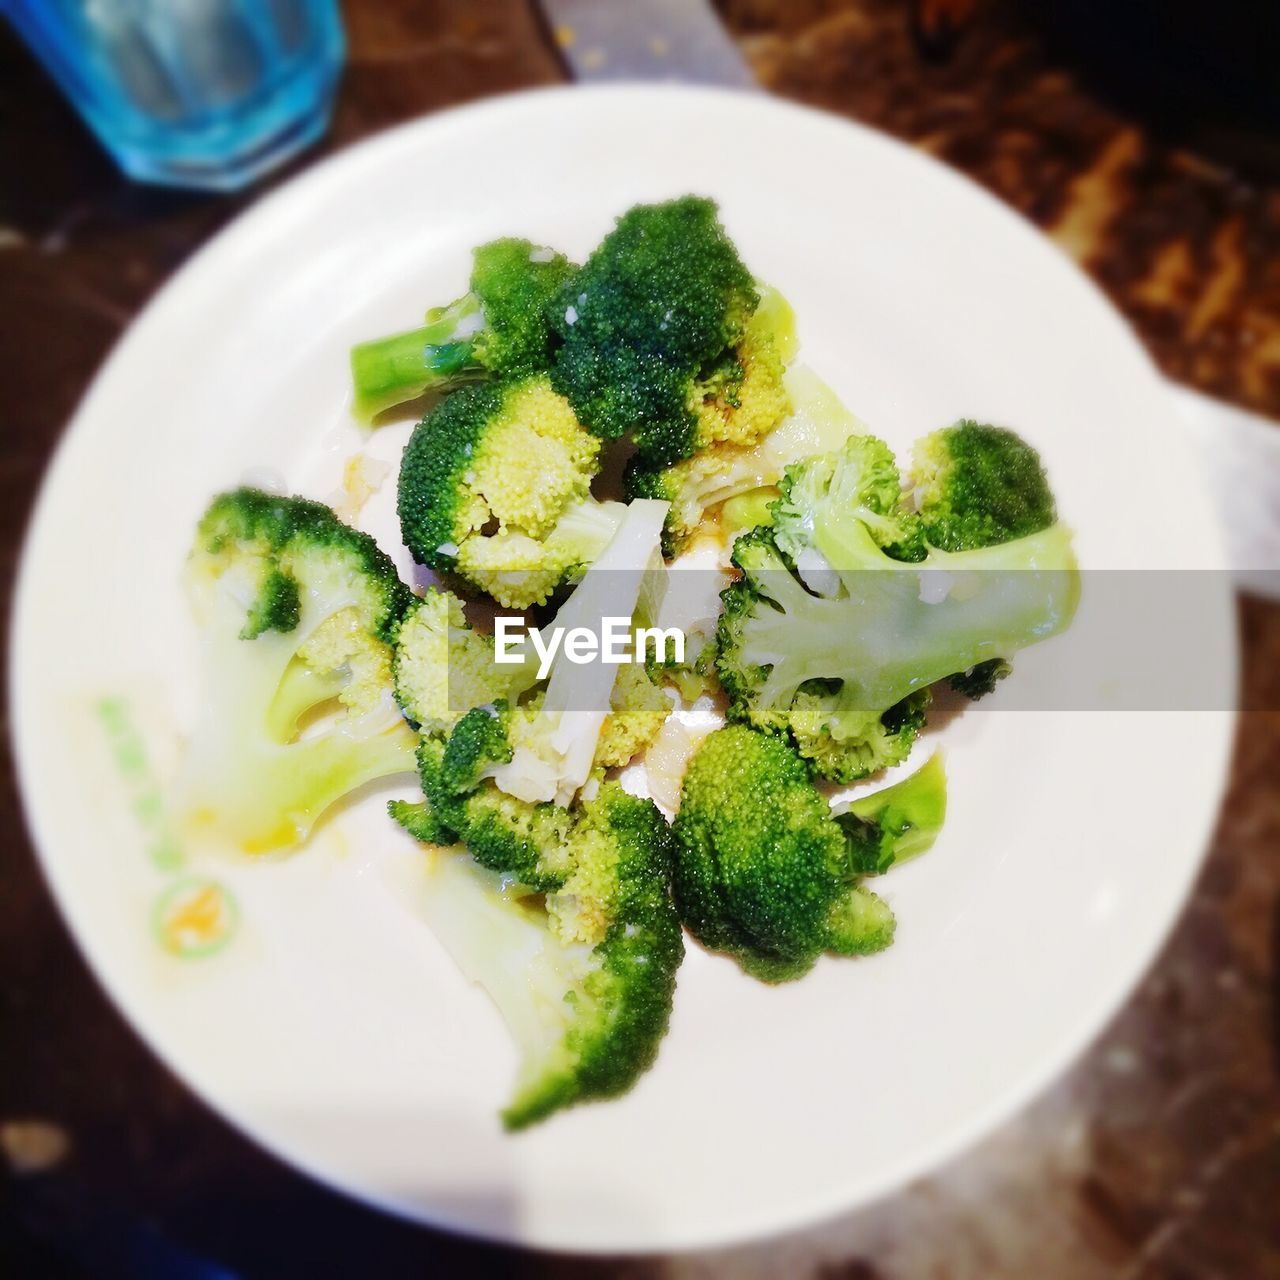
<point>442,667</point>
<point>767,874</point>
<point>898,823</point>
<point>978,485</point>
<point>845,615</point>
<point>720,474</point>
<point>495,485</point>
<point>499,328</point>
<point>659,337</point>
<point>502,774</point>
<point>297,614</point>
<point>583,975</point>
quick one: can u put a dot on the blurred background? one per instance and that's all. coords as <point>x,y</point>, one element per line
<point>1143,137</point>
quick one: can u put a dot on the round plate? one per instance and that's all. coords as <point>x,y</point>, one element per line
<point>304,997</point>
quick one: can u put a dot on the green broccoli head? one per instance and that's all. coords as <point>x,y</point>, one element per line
<point>499,328</point>
<point>763,870</point>
<point>833,640</point>
<point>978,485</point>
<point>470,501</point>
<point>657,336</point>
<point>584,974</point>
<point>297,613</point>
<point>515,282</point>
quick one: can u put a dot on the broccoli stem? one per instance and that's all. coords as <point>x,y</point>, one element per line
<point>897,823</point>
<point>388,371</point>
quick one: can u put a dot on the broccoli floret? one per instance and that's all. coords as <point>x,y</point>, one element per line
<point>297,613</point>
<point>766,873</point>
<point>741,480</point>
<point>421,821</point>
<point>834,642</point>
<point>503,832</point>
<point>443,668</point>
<point>495,485</point>
<point>981,679</point>
<point>637,711</point>
<point>529,746</point>
<point>657,336</point>
<point>499,328</point>
<point>978,485</point>
<point>585,975</point>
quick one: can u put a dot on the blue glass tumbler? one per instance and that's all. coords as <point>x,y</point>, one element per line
<point>192,93</point>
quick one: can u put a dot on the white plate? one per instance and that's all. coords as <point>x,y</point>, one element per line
<point>331,1026</point>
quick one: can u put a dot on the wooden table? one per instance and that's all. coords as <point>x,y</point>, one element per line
<point>1157,1155</point>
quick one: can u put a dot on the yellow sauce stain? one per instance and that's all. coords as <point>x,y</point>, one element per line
<point>195,918</point>
<point>198,918</point>
<point>269,841</point>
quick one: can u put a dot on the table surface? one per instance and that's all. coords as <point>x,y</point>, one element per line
<point>1158,1154</point>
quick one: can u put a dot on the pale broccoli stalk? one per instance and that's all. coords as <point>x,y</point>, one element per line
<point>897,823</point>
<point>296,611</point>
<point>582,973</point>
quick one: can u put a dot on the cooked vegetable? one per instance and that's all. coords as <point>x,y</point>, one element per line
<point>741,479</point>
<point>297,613</point>
<point>495,486</point>
<point>766,873</point>
<point>845,615</point>
<point>583,975</point>
<point>658,339</point>
<point>498,328</point>
<point>442,667</point>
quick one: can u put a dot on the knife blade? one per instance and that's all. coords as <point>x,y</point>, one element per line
<point>684,40</point>
<point>675,40</point>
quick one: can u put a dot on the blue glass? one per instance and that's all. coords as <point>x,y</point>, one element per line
<point>192,93</point>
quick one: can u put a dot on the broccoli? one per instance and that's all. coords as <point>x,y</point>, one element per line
<point>741,479</point>
<point>584,975</point>
<point>297,614</point>
<point>442,667</point>
<point>498,328</point>
<point>766,873</point>
<point>978,485</point>
<point>495,485</point>
<point>898,823</point>
<point>660,339</point>
<point>637,711</point>
<point>838,627</point>
<point>503,774</point>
